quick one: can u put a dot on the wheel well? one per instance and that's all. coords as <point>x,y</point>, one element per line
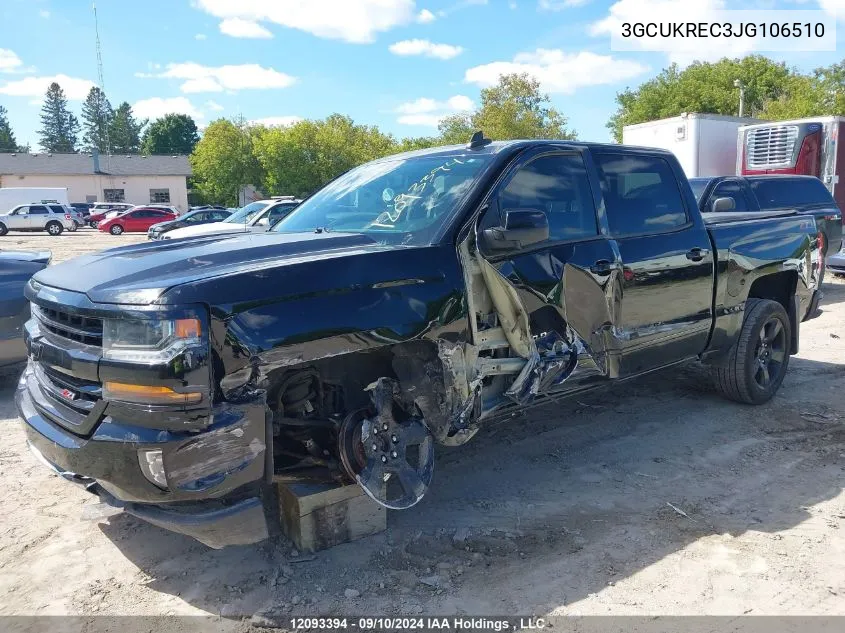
<point>779,287</point>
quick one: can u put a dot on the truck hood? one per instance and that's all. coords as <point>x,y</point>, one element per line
<point>215,228</point>
<point>40,257</point>
<point>141,273</point>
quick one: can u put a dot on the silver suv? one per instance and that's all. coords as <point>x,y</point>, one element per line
<point>53,218</point>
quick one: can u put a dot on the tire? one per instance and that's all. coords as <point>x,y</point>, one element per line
<point>116,229</point>
<point>3,229</point>
<point>758,361</point>
<point>54,228</point>
<point>92,224</point>
<point>73,227</point>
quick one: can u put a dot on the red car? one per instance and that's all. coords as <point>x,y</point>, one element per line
<point>138,220</point>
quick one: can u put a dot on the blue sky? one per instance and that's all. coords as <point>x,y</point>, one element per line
<point>399,64</point>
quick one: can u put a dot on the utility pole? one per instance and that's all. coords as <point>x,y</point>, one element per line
<point>741,86</point>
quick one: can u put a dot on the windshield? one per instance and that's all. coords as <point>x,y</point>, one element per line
<point>245,214</point>
<point>698,186</point>
<point>403,201</point>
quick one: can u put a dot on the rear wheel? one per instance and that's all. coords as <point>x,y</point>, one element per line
<point>3,229</point>
<point>54,228</point>
<point>759,359</point>
<point>116,229</point>
<point>72,228</point>
<point>92,224</point>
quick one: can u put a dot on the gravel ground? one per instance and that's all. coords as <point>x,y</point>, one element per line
<point>656,497</point>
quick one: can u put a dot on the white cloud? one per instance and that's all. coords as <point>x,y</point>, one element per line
<point>429,112</point>
<point>271,121</point>
<point>199,78</point>
<point>156,107</point>
<point>558,71</point>
<point>214,106</point>
<point>75,89</point>
<point>356,21</point>
<point>200,36</point>
<point>834,7</point>
<point>9,61</point>
<point>680,50</point>
<point>44,13</point>
<point>425,48</point>
<point>426,17</point>
<point>238,27</point>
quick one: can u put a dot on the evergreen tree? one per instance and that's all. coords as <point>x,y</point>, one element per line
<point>97,115</point>
<point>59,127</point>
<point>125,131</point>
<point>7,138</point>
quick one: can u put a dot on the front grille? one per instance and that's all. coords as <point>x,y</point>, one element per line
<point>770,147</point>
<point>72,327</point>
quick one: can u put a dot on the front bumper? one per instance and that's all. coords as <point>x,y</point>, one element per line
<point>215,478</point>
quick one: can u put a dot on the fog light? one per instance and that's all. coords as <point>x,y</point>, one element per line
<point>152,465</point>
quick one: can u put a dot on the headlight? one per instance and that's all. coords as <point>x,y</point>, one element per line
<point>149,341</point>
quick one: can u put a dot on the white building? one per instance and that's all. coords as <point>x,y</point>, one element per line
<point>91,178</point>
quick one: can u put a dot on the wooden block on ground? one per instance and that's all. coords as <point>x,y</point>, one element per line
<point>319,516</point>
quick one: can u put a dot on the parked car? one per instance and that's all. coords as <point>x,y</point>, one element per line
<point>836,263</point>
<point>37,217</point>
<point>192,218</point>
<point>16,267</point>
<point>78,220</point>
<point>255,217</point>
<point>750,194</point>
<point>101,209</point>
<point>137,220</point>
<point>84,209</point>
<point>406,303</point>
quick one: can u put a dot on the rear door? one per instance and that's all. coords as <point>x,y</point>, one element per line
<point>667,283</point>
<point>133,221</point>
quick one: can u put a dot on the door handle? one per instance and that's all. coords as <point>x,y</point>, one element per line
<point>697,254</point>
<point>601,267</point>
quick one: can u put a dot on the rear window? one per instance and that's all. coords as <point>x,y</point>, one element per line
<point>777,193</point>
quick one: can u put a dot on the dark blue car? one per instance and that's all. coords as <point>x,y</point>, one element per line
<point>16,267</point>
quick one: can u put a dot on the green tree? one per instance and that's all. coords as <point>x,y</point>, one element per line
<point>223,161</point>
<point>822,93</point>
<point>171,134</point>
<point>702,87</point>
<point>7,137</point>
<point>97,115</point>
<point>300,158</point>
<point>125,130</point>
<point>513,108</point>
<point>59,127</point>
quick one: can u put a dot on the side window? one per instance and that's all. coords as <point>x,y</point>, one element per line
<point>24,210</point>
<point>55,208</point>
<point>557,185</point>
<point>730,189</point>
<point>779,191</point>
<point>197,217</point>
<point>641,194</point>
<point>219,215</point>
<point>37,210</point>
<point>138,215</point>
<point>277,213</point>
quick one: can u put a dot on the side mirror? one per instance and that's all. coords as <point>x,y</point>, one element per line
<point>263,222</point>
<point>523,227</point>
<point>722,204</point>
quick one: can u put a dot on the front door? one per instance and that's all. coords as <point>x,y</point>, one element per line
<point>667,283</point>
<point>566,285</point>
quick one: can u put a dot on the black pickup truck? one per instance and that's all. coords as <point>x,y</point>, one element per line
<point>402,305</point>
<point>750,194</point>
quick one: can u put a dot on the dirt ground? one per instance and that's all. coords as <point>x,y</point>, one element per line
<point>656,497</point>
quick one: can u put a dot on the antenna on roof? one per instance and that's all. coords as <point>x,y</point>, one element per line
<point>478,141</point>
